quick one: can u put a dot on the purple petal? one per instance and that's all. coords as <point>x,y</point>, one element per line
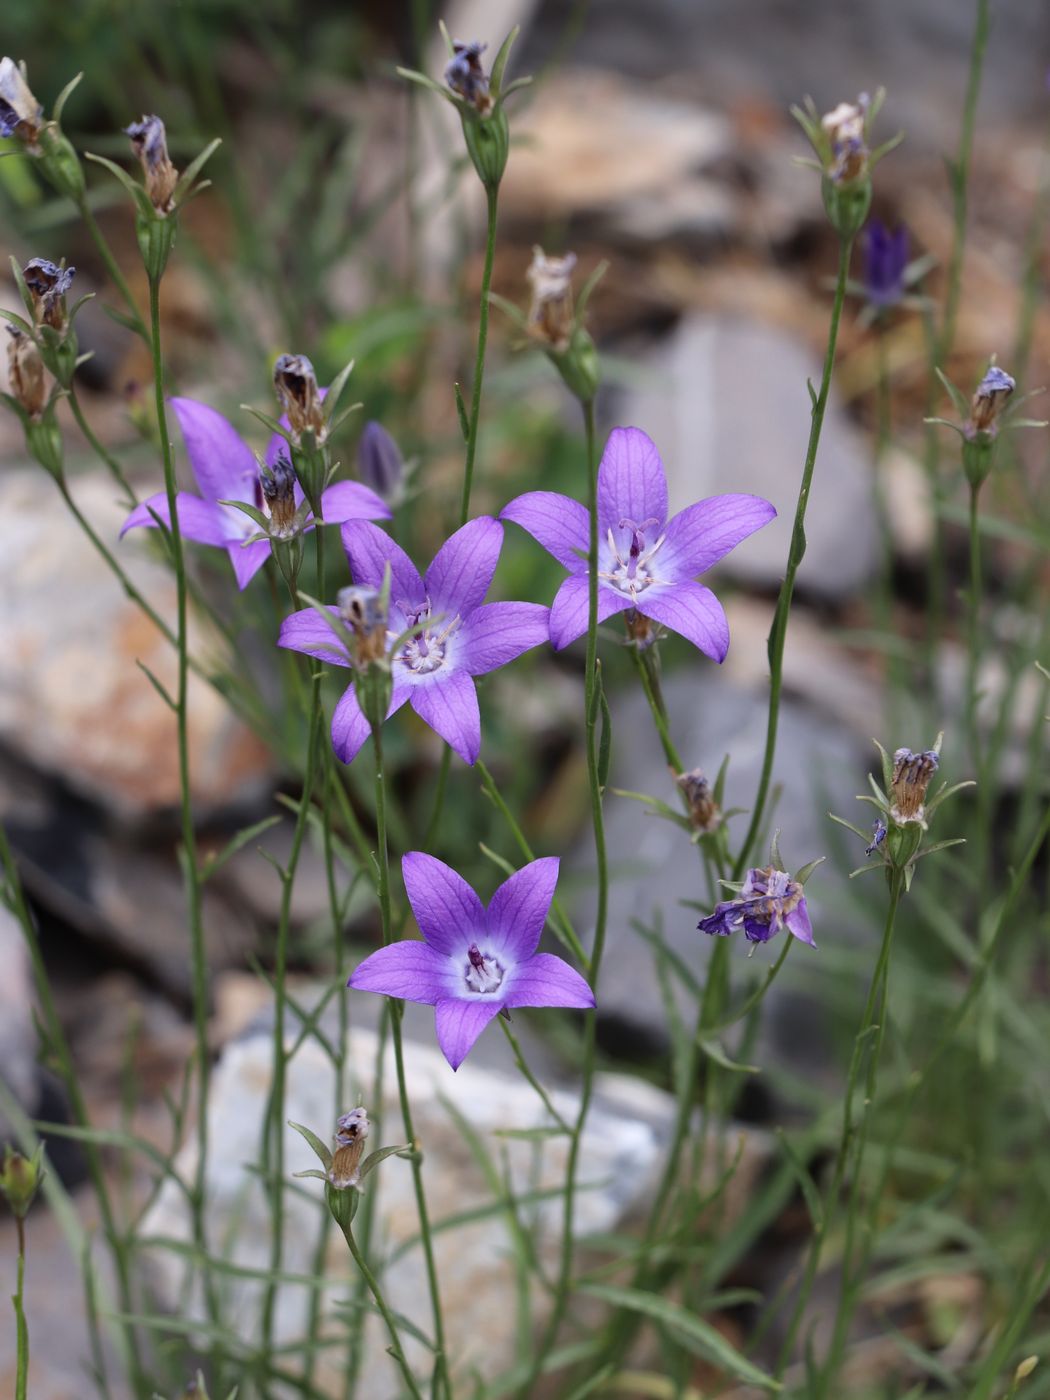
<point>410,970</point>
<point>631,481</point>
<point>350,500</point>
<point>518,909</point>
<point>449,914</point>
<point>277,444</point>
<point>247,560</point>
<point>557,522</point>
<point>369,549</point>
<point>350,729</point>
<point>798,923</point>
<point>459,577</point>
<point>307,631</point>
<point>547,980</point>
<point>569,611</point>
<point>202,521</point>
<point>448,702</point>
<point>497,633</point>
<point>700,535</point>
<point>459,1022</point>
<point>221,460</point>
<point>691,610</point>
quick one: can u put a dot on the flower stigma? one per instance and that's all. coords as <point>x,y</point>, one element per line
<point>483,974</point>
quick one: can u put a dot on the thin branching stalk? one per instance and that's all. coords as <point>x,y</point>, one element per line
<point>396,1349</point>
<point>104,455</point>
<point>796,550</point>
<point>492,195</point>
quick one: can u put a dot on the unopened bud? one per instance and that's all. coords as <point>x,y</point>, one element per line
<point>348,1146</point>
<point>912,773</point>
<point>704,812</point>
<point>988,402</point>
<point>48,283</point>
<point>296,386</point>
<point>21,115</point>
<point>20,1179</point>
<point>26,372</point>
<point>466,77</point>
<point>150,143</point>
<point>278,488</point>
<point>550,315</point>
<point>1025,1369</point>
<point>380,463</point>
<point>362,609</point>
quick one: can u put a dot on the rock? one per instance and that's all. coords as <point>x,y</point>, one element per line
<point>620,1160</point>
<point>725,401</point>
<point>73,702</point>
<point>17,1033</point>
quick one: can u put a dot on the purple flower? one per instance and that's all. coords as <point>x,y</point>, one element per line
<point>461,635</point>
<point>885,260</point>
<point>473,962</point>
<point>646,564</point>
<point>226,470</point>
<point>769,901</point>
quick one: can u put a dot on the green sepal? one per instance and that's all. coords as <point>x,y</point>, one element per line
<point>381,1153</point>
<point>488,144</point>
<point>846,205</point>
<point>320,1148</point>
<point>182,190</point>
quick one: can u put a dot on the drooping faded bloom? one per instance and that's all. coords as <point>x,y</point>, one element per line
<point>473,962</point>
<point>455,634</point>
<point>49,284</point>
<point>647,565</point>
<point>21,115</point>
<point>704,811</point>
<point>769,900</point>
<point>466,77</point>
<point>885,262</point>
<point>989,400</point>
<point>149,141</point>
<point>551,317</point>
<point>296,386</point>
<point>911,779</point>
<point>25,371</point>
<point>348,1145</point>
<point>226,470</point>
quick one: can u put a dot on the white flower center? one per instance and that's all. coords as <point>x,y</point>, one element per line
<point>425,652</point>
<point>632,571</point>
<point>483,973</point>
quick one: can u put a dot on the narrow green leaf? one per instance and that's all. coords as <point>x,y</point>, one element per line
<point>157,685</point>
<point>373,1159</point>
<point>236,844</point>
<point>605,742</point>
<point>713,1050</point>
<point>499,63</point>
<point>320,1148</point>
<point>461,411</point>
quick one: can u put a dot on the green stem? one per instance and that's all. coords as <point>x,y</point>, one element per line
<point>479,359</point>
<point>974,633</point>
<point>778,632</point>
<point>591,682</point>
<point>441,1384</point>
<point>651,685</point>
<point>191,867</point>
<point>103,453</point>
<point>113,268</point>
<point>868,1027</point>
<point>62,1055</point>
<point>21,1330</point>
<point>387,1315</point>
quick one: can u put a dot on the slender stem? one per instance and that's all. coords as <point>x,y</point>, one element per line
<point>650,680</point>
<point>876,994</point>
<point>381,1304</point>
<point>441,1384</point>
<point>103,453</point>
<point>778,632</point>
<point>479,359</point>
<point>974,631</point>
<point>113,268</point>
<point>591,698</point>
<point>191,867</point>
<point>21,1330</point>
<point>60,1051</point>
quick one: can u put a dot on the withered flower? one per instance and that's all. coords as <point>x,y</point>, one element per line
<point>26,372</point>
<point>349,1145</point>
<point>551,314</point>
<point>296,386</point>
<point>49,284</point>
<point>21,115</point>
<point>466,77</point>
<point>704,812</point>
<point>150,143</point>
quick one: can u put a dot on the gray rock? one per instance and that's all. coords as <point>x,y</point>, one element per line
<point>725,401</point>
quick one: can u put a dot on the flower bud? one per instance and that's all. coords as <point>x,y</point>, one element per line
<point>297,393</point>
<point>149,142</point>
<point>704,812</point>
<point>466,77</point>
<point>278,488</point>
<point>48,284</point>
<point>348,1146</point>
<point>550,315</point>
<point>988,402</point>
<point>912,773</point>
<point>380,463</point>
<point>363,610</point>
<point>21,115</point>
<point>20,1179</point>
<point>26,372</point>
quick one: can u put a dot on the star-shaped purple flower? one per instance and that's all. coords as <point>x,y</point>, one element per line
<point>645,562</point>
<point>461,637</point>
<point>769,901</point>
<point>473,962</point>
<point>226,470</point>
